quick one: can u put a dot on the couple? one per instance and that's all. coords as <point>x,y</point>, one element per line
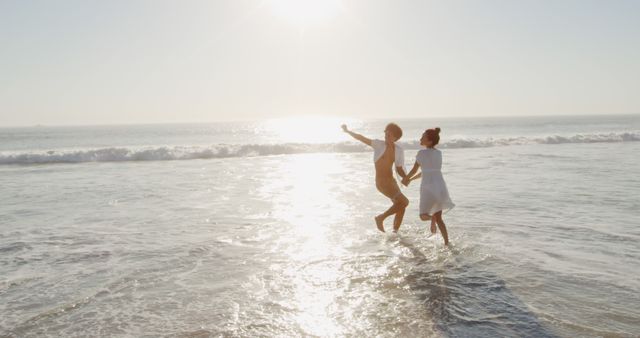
<point>434,196</point>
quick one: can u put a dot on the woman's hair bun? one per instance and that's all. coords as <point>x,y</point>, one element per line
<point>437,130</point>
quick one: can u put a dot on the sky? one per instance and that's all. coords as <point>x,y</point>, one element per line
<point>155,61</point>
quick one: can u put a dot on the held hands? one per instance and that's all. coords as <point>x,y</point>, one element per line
<point>406,181</point>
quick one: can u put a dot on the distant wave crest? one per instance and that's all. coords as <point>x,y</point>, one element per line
<point>555,139</point>
<point>173,153</point>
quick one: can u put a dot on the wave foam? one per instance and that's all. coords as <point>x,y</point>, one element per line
<point>555,139</point>
<point>168,153</point>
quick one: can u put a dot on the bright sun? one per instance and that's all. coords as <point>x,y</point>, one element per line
<point>303,13</point>
<point>308,129</point>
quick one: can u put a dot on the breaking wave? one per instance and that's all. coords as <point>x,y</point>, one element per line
<point>173,153</point>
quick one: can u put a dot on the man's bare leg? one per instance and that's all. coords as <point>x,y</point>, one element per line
<point>397,220</point>
<point>380,218</point>
<point>398,204</point>
<point>380,222</point>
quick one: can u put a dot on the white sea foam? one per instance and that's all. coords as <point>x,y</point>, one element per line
<point>553,139</point>
<point>285,246</point>
<point>172,153</point>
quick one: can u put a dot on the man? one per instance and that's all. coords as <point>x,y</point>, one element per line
<point>385,154</point>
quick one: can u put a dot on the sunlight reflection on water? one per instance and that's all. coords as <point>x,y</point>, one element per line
<point>306,203</point>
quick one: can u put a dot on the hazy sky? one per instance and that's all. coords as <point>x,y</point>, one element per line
<point>128,61</point>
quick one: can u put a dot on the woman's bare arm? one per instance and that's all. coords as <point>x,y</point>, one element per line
<point>413,170</point>
<point>408,178</point>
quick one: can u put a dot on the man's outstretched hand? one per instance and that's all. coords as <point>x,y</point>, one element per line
<point>344,128</point>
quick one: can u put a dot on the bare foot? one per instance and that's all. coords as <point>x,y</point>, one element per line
<point>379,223</point>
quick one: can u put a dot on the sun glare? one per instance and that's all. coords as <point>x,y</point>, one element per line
<point>303,13</point>
<point>308,129</point>
<point>306,197</point>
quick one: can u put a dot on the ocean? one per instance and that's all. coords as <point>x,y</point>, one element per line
<point>251,229</point>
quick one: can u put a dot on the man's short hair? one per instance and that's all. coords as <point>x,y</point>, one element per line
<point>395,130</point>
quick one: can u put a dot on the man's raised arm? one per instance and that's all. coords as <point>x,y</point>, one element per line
<point>356,135</point>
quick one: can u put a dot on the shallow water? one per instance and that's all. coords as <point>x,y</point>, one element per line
<point>544,242</point>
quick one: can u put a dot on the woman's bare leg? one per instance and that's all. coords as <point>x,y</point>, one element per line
<point>442,227</point>
<point>426,217</point>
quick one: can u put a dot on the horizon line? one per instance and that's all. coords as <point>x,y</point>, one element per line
<point>249,120</point>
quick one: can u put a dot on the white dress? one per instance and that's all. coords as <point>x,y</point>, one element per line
<point>434,195</point>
